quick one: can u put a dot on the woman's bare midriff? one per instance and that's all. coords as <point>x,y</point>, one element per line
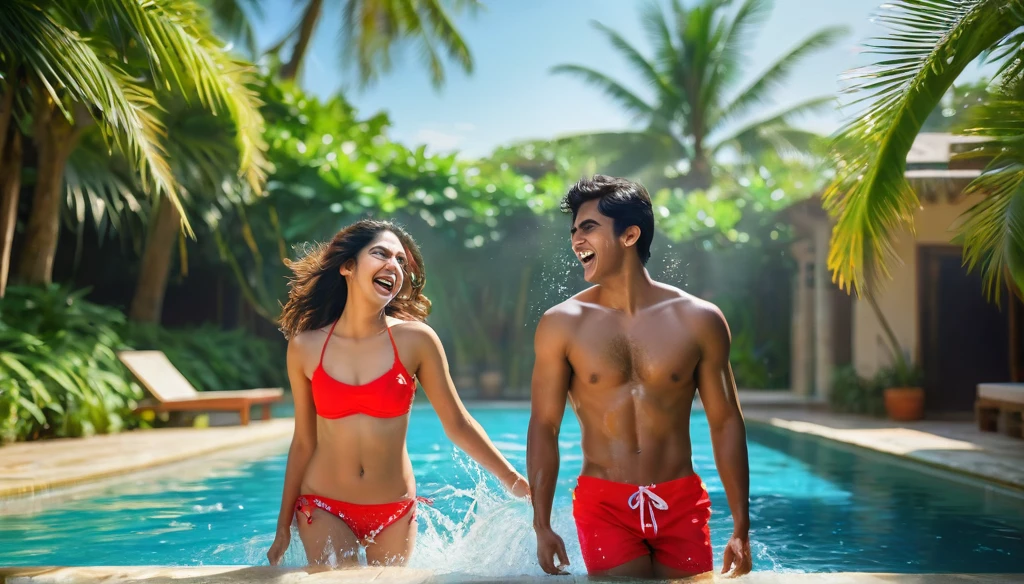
<point>361,460</point>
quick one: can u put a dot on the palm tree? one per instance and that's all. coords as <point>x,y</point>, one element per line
<point>928,46</point>
<point>693,76</point>
<point>204,160</point>
<point>66,82</point>
<point>371,28</point>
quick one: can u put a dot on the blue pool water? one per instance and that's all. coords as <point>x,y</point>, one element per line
<point>815,507</point>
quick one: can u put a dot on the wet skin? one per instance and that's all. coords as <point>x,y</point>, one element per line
<point>629,355</point>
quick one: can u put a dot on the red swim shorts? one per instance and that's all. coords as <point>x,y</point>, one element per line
<point>619,522</point>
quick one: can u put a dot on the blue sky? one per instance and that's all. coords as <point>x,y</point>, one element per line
<point>512,95</point>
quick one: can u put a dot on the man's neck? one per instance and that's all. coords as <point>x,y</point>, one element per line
<point>630,291</point>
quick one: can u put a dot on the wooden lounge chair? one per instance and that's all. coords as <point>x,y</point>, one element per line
<point>1000,404</point>
<point>173,393</point>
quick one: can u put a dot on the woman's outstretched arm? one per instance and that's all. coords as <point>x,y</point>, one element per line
<point>459,426</point>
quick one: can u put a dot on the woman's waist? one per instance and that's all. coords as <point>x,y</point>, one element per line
<point>359,481</point>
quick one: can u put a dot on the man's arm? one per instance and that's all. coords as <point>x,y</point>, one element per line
<point>717,389</point>
<point>549,389</point>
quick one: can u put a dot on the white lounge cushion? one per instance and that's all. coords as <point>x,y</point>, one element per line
<point>1007,392</point>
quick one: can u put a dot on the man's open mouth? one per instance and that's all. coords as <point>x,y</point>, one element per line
<point>585,256</point>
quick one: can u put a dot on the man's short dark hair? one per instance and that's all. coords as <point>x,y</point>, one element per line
<point>625,201</point>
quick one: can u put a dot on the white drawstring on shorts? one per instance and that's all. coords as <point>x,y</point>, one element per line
<point>653,502</point>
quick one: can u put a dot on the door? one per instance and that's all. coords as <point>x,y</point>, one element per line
<point>964,338</point>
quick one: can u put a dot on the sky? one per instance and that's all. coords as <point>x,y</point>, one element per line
<point>512,94</point>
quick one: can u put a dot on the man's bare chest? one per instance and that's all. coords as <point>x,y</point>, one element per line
<point>647,352</point>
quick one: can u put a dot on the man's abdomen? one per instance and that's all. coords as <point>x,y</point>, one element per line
<point>635,447</point>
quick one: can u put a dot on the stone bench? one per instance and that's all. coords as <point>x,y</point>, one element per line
<point>1000,405</point>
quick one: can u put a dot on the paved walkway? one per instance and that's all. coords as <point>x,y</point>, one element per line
<point>31,467</point>
<point>267,575</point>
<point>953,446</point>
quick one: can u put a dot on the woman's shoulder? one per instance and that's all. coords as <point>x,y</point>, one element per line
<point>410,328</point>
<point>307,340</point>
<point>415,333</point>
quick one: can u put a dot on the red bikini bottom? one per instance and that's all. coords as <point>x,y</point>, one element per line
<point>365,521</point>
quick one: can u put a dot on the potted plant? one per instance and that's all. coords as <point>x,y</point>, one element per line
<point>901,382</point>
<point>904,396</point>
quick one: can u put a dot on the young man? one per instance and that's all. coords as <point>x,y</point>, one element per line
<point>630,353</point>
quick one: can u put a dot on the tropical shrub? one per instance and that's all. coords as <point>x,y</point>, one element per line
<point>60,375</point>
<point>853,394</point>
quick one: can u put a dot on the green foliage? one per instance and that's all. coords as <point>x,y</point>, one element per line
<point>741,206</point>
<point>902,373</point>
<point>333,167</point>
<point>853,394</point>
<point>59,374</point>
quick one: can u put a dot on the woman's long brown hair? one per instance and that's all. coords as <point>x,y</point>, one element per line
<point>318,291</point>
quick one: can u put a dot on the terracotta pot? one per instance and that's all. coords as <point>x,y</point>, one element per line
<point>904,404</point>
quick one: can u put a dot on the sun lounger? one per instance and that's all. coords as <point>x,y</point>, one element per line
<point>1000,404</point>
<point>173,393</point>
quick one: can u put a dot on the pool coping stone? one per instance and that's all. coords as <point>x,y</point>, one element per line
<point>275,575</point>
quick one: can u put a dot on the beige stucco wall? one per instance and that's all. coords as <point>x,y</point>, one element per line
<point>935,224</point>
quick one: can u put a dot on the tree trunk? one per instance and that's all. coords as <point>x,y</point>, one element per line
<point>56,139</point>
<point>310,17</point>
<point>699,177</point>
<point>148,302</point>
<point>6,113</point>
<point>10,185</point>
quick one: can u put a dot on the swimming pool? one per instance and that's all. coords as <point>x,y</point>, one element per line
<point>815,507</point>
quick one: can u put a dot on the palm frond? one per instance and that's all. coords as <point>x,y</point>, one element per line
<point>647,69</point>
<point>932,42</point>
<point>757,92</point>
<point>736,35</point>
<point>652,18</point>
<point>748,137</point>
<point>993,232</point>
<point>634,104</point>
<point>60,59</point>
<point>371,28</point>
<point>624,153</point>
<point>183,49</point>
<point>100,185</point>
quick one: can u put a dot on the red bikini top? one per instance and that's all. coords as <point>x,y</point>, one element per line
<point>388,396</point>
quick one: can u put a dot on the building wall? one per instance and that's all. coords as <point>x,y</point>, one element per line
<point>935,223</point>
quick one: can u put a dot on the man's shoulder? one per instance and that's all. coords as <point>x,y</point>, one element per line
<point>571,308</point>
<point>564,317</point>
<point>692,308</point>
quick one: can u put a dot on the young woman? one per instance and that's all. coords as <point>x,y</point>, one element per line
<point>357,346</point>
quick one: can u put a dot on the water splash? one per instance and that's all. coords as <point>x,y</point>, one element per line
<point>494,537</point>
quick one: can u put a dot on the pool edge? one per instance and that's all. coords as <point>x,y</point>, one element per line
<point>769,421</point>
<point>258,574</point>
